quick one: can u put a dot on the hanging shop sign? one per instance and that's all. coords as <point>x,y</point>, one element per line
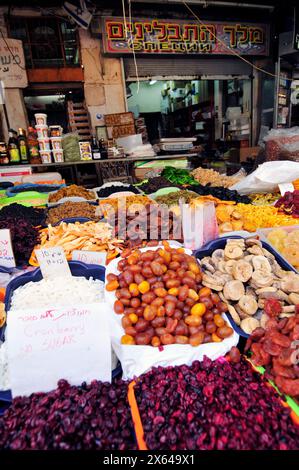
<point>152,36</point>
<point>12,64</point>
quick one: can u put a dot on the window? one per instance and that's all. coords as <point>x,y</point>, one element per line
<point>48,42</point>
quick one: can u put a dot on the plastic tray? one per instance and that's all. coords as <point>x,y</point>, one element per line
<point>210,247</point>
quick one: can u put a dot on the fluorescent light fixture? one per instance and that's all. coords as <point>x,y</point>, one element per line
<point>152,82</point>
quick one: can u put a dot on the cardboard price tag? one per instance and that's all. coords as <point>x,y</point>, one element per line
<point>7,258</point>
<point>46,345</point>
<point>53,262</point>
<point>285,187</point>
<point>90,257</point>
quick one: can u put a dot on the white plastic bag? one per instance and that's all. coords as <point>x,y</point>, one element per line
<point>267,177</point>
<point>199,224</point>
<point>136,360</point>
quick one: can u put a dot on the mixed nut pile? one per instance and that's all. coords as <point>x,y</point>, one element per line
<point>245,274</point>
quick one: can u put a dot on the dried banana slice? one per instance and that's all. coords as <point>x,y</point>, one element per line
<point>261,263</point>
<point>290,283</point>
<point>248,258</point>
<point>242,271</point>
<point>294,298</point>
<point>268,254</point>
<point>289,309</point>
<point>229,266</point>
<point>261,303</point>
<point>221,266</point>
<point>262,279</point>
<point>248,325</point>
<point>216,287</point>
<point>218,255</point>
<point>248,304</point>
<point>233,312</point>
<point>206,264</point>
<point>252,242</point>
<point>265,290</point>
<point>233,290</point>
<point>233,251</point>
<point>256,250</point>
<point>264,319</point>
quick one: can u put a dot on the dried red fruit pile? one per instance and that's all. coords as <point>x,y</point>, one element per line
<point>24,237</point>
<point>213,405</point>
<point>289,203</point>
<point>277,349</point>
<point>95,416</point>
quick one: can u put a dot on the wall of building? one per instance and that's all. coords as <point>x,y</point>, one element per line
<point>13,99</point>
<point>103,80</point>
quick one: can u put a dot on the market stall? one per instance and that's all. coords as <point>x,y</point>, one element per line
<point>155,316</point>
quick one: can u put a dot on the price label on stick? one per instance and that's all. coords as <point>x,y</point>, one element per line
<point>7,258</point>
<point>90,257</point>
<point>49,344</point>
<point>53,262</point>
<point>285,187</point>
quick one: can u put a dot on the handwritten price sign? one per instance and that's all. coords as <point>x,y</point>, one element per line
<point>90,257</point>
<point>53,262</point>
<point>47,345</point>
<point>7,258</point>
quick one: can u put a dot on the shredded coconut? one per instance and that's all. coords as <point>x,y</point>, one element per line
<point>57,292</point>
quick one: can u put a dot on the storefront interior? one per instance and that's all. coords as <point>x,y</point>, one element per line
<point>214,111</point>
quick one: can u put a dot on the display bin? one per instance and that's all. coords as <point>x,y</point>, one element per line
<point>77,269</point>
<point>210,247</point>
<point>286,401</point>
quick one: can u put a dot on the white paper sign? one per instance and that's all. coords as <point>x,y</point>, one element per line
<point>53,262</point>
<point>90,257</point>
<point>44,346</point>
<point>7,258</point>
<point>12,63</point>
<point>285,187</point>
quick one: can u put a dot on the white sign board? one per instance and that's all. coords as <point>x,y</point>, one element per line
<point>90,257</point>
<point>12,64</point>
<point>44,346</point>
<point>52,262</point>
<point>7,258</point>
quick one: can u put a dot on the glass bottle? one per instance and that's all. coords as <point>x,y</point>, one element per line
<point>13,147</point>
<point>23,145</point>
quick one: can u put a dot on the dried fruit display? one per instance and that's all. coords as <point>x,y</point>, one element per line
<point>130,202</point>
<point>289,203</point>
<point>24,237</point>
<point>276,348</point>
<point>216,405</point>
<point>244,274</point>
<point>152,223</point>
<point>160,296</point>
<point>89,236</point>
<point>89,417</point>
<point>258,199</point>
<point>287,243</point>
<point>153,184</point>
<point>248,217</point>
<point>70,209</point>
<point>33,215</point>
<point>72,191</point>
<point>213,178</point>
<point>223,194</point>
